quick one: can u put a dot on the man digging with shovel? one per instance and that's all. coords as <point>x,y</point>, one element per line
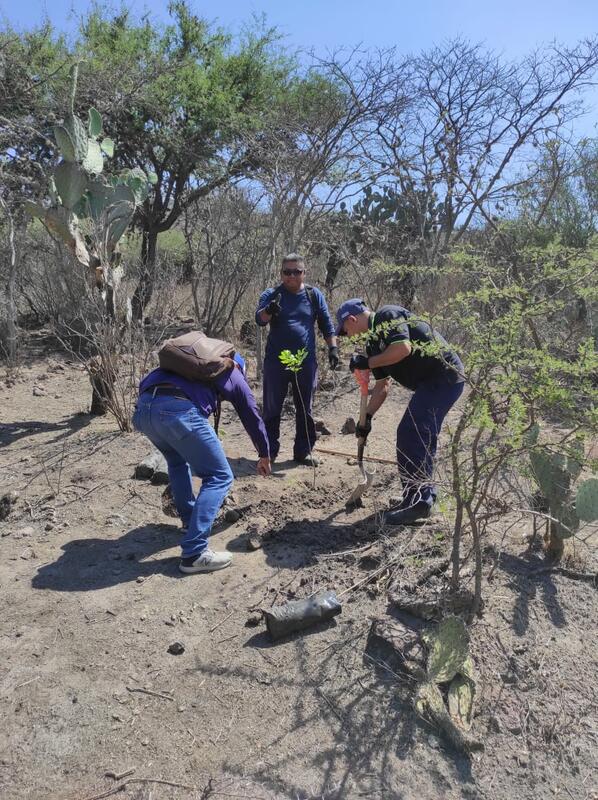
<point>404,348</point>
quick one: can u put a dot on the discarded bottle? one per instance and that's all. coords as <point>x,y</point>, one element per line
<point>300,614</point>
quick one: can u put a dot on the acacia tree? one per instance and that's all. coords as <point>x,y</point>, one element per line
<point>182,101</point>
<point>455,124</point>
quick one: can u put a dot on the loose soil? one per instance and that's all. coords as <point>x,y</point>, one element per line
<point>95,704</point>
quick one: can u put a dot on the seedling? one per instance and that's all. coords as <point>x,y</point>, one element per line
<point>294,363</point>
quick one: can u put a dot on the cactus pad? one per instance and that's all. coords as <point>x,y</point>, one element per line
<point>586,502</point>
<point>449,649</point>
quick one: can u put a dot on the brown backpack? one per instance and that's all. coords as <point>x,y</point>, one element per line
<point>196,357</point>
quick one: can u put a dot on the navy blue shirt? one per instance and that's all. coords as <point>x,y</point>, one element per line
<point>231,386</point>
<point>396,324</point>
<point>293,328</point>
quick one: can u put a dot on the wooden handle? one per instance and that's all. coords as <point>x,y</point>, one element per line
<point>350,455</point>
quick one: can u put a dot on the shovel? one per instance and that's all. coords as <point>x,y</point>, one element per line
<point>367,476</point>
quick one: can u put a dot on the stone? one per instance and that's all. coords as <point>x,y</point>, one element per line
<point>253,620</point>
<point>232,515</point>
<point>152,463</point>
<point>176,648</point>
<point>7,502</point>
<point>348,426</point>
<point>322,428</point>
<point>38,391</point>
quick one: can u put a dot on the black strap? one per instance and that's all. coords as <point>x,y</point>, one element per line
<point>217,411</point>
<point>311,296</point>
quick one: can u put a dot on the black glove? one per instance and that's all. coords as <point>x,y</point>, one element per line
<point>358,362</point>
<point>273,307</point>
<point>362,432</point>
<point>333,357</point>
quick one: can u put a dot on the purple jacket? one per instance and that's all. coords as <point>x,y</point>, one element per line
<point>231,386</point>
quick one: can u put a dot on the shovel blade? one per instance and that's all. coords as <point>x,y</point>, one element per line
<point>367,478</point>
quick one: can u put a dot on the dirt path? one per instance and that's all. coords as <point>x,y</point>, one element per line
<point>91,601</point>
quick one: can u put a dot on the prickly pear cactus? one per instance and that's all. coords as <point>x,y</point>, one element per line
<point>80,191</point>
<point>555,473</point>
<point>449,663</point>
<point>586,500</point>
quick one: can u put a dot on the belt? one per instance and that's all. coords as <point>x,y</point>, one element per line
<point>170,391</point>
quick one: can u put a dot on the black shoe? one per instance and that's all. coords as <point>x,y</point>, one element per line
<point>409,515</point>
<point>309,460</point>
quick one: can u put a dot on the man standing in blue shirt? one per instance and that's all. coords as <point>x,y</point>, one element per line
<point>292,309</point>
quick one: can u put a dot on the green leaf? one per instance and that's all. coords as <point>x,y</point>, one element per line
<point>94,124</point>
<point>152,178</point>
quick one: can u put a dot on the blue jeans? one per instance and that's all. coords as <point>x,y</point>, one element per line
<point>417,439</point>
<point>186,439</point>
<point>276,384</point>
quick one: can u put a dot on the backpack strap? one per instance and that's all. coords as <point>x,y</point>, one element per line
<point>311,296</point>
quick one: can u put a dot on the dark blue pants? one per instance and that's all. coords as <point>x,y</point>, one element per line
<point>276,384</point>
<point>417,439</point>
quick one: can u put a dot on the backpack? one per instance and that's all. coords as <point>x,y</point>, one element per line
<point>196,357</point>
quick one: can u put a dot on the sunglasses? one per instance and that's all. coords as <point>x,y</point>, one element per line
<point>294,272</point>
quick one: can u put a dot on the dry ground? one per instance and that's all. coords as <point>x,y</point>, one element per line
<point>91,599</point>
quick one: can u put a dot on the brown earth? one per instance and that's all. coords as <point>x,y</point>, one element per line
<point>91,600</point>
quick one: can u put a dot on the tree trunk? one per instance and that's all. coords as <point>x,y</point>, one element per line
<point>11,291</point>
<point>145,287</point>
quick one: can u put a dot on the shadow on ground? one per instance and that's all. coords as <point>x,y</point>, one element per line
<point>89,564</point>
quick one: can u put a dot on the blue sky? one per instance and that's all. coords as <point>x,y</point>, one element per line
<point>509,26</point>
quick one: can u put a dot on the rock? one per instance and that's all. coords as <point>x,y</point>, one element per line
<point>160,477</point>
<point>82,475</point>
<point>49,526</point>
<point>232,515</point>
<point>253,620</point>
<point>168,506</point>
<point>176,648</point>
<point>154,462</point>
<point>38,391</point>
<point>326,385</point>
<point>253,542</point>
<point>322,428</point>
<point>27,554</point>
<point>116,519</point>
<point>7,502</point>
<point>28,531</point>
<point>348,425</point>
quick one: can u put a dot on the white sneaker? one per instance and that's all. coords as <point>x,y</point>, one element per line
<point>208,561</point>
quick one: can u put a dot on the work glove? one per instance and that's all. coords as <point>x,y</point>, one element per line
<point>273,307</point>
<point>358,362</point>
<point>362,431</point>
<point>333,357</point>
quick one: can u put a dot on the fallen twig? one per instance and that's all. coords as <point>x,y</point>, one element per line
<point>122,786</point>
<point>118,776</point>
<point>222,621</point>
<point>148,691</point>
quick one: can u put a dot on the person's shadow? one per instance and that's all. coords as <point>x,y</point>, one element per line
<point>89,564</point>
